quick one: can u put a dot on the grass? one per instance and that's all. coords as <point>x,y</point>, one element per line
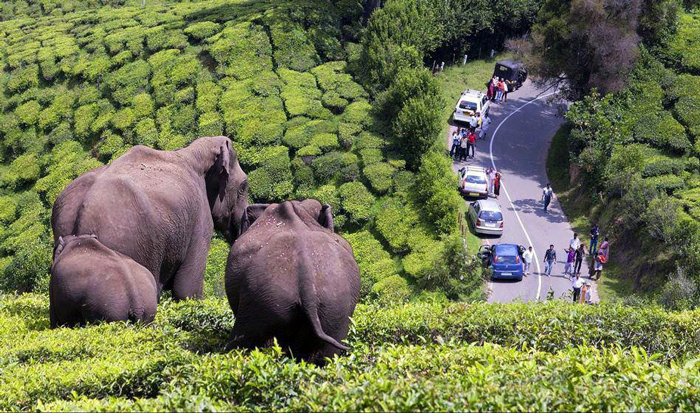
<point>579,207</point>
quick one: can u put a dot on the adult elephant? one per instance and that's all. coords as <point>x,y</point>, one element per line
<point>160,208</point>
<point>290,277</point>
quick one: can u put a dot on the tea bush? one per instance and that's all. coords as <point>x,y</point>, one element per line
<point>416,356</point>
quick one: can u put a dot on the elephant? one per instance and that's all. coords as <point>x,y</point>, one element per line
<point>90,282</point>
<point>290,277</point>
<point>160,208</point>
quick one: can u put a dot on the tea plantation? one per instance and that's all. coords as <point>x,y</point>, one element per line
<point>550,356</point>
<point>82,84</point>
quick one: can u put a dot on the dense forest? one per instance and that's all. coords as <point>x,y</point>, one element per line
<point>334,100</point>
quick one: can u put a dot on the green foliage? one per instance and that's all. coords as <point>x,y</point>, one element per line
<point>397,222</point>
<point>216,267</point>
<point>25,169</point>
<point>202,30</point>
<point>436,187</point>
<point>357,201</point>
<point>392,290</point>
<point>683,49</point>
<point>336,166</point>
<point>379,175</point>
<point>417,126</point>
<point>292,48</point>
<point>375,263</point>
<point>272,181</point>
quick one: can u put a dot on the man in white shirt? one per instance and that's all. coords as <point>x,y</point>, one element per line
<point>547,195</point>
<point>576,284</point>
<point>575,242</point>
<point>484,127</point>
<point>528,256</point>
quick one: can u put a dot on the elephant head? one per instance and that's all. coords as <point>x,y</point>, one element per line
<point>227,184</point>
<point>311,207</point>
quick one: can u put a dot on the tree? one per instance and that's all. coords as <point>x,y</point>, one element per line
<point>585,44</point>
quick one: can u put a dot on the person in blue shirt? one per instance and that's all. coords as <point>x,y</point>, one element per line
<point>595,233</point>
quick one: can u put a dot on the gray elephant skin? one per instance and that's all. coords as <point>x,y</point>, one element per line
<point>160,208</point>
<point>90,282</point>
<point>290,277</point>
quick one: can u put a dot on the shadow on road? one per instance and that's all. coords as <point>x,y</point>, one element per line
<point>533,206</point>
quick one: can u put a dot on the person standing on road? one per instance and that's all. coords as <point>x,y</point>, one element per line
<point>463,148</point>
<point>454,151</point>
<point>574,242</point>
<point>597,268</point>
<point>497,184</point>
<point>595,232</point>
<point>547,195</point>
<point>570,257</point>
<point>471,143</point>
<point>474,122</point>
<point>528,256</point>
<point>580,254</point>
<point>550,259</point>
<point>506,88</point>
<point>492,177</point>
<point>484,127</point>
<point>576,284</point>
<point>499,90</point>
<point>491,90</point>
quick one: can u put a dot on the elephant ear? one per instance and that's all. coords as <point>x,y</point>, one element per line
<point>59,247</point>
<point>252,213</point>
<point>223,166</point>
<point>325,218</point>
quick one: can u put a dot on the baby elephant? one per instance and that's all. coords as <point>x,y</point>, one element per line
<point>291,278</point>
<point>90,282</point>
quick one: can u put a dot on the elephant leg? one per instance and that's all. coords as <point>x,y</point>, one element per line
<point>247,334</point>
<point>188,281</point>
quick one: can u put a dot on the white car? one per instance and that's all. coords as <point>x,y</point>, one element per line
<point>486,216</point>
<point>473,182</point>
<point>470,103</point>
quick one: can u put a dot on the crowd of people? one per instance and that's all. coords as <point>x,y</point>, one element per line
<point>498,89</point>
<point>464,138</point>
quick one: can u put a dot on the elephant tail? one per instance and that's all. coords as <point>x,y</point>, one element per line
<point>309,300</point>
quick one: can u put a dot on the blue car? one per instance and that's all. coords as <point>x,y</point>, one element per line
<point>503,260</point>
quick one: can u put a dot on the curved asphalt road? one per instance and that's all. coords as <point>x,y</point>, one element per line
<point>517,143</point>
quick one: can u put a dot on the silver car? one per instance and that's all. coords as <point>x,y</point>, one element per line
<point>486,216</point>
<point>473,182</point>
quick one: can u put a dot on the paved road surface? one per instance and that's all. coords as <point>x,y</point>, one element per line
<point>517,144</point>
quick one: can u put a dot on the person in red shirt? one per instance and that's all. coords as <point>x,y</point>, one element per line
<point>471,142</point>
<point>497,184</point>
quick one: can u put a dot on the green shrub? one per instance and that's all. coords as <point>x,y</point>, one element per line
<point>292,49</point>
<point>202,30</point>
<point>356,200</point>
<point>357,112</point>
<point>328,194</point>
<point>663,166</point>
<point>667,183</point>
<point>396,222</point>
<point>380,176</point>
<point>336,165</point>
<point>23,170</point>
<point>272,181</point>
<point>417,126</point>
<point>23,79</point>
<point>333,101</point>
<point>375,263</point>
<point>146,132</point>
<point>309,150</point>
<point>123,119</point>
<point>210,124</point>
<point>679,293</point>
<point>303,177</point>
<point>325,141</point>
<point>437,189</point>
<point>142,106</point>
<point>208,94</point>
<point>371,156</point>
<point>28,113</point>
<point>393,290</point>
<point>216,267</point>
<point>242,50</point>
<point>662,131</point>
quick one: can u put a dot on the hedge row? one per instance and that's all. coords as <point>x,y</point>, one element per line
<point>414,357</point>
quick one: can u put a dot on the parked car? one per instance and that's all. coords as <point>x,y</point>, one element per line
<point>512,72</point>
<point>504,261</point>
<point>486,216</point>
<point>473,182</point>
<point>472,105</point>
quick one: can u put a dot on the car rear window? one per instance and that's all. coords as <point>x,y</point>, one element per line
<point>475,179</point>
<point>467,105</point>
<point>506,250</point>
<point>506,259</point>
<point>491,216</point>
